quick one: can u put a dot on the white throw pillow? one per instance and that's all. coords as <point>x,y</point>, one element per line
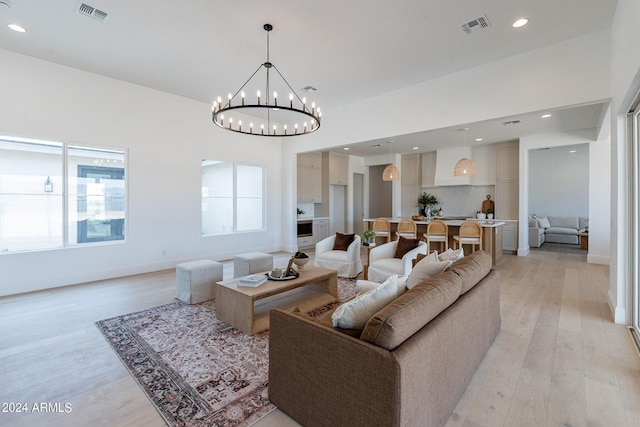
<point>364,286</point>
<point>451,255</point>
<point>544,222</point>
<point>424,270</point>
<point>354,314</point>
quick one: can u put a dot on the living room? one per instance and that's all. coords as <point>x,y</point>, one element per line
<point>166,136</point>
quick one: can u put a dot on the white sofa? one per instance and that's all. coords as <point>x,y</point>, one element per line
<point>555,229</point>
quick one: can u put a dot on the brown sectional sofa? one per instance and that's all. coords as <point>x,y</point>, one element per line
<point>407,367</point>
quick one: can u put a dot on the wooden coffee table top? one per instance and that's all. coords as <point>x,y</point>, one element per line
<point>273,287</point>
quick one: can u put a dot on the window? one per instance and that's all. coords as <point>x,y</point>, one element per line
<point>232,197</point>
<point>41,207</point>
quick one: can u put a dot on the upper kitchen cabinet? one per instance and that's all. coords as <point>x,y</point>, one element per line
<point>310,178</point>
<point>484,158</point>
<point>338,169</point>
<point>507,180</point>
<point>428,169</point>
<point>310,160</point>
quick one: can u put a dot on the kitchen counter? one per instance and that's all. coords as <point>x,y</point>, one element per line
<point>491,232</point>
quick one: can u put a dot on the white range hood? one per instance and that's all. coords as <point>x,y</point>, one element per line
<point>446,160</point>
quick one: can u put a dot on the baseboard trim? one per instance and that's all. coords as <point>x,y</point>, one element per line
<point>598,259</point>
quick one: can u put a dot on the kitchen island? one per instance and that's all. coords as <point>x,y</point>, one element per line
<point>491,232</point>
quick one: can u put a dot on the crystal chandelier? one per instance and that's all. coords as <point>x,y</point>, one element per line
<point>266,116</point>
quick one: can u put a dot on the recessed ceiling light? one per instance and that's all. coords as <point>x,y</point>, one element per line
<point>520,23</point>
<point>346,149</point>
<point>545,116</point>
<point>17,28</point>
<point>478,139</point>
<point>572,151</point>
<point>415,148</point>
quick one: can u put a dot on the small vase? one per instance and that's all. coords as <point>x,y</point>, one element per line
<point>490,216</point>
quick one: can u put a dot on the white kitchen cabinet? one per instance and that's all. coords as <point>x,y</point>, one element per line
<point>309,185</point>
<point>320,229</point>
<point>309,178</point>
<point>338,169</point>
<point>510,236</point>
<point>310,160</point>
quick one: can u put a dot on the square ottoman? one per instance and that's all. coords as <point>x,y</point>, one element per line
<point>251,262</point>
<point>196,280</point>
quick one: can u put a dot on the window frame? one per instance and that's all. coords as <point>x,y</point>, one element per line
<point>66,194</point>
<point>235,197</point>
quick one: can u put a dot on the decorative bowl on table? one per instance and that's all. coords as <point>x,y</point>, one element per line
<point>300,262</point>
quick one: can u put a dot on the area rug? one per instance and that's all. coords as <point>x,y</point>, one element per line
<point>196,369</point>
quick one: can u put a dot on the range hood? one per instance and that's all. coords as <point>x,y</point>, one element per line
<point>446,160</point>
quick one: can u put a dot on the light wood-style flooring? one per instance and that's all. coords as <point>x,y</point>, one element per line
<point>559,360</point>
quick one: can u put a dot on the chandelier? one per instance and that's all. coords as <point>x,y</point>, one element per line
<point>266,115</point>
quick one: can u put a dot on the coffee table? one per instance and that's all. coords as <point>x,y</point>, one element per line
<point>247,309</point>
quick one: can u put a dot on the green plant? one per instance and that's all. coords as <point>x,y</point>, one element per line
<point>300,255</point>
<point>489,210</point>
<point>369,234</point>
<point>300,211</point>
<point>427,199</point>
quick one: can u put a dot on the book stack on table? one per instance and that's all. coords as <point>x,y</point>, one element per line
<point>253,281</point>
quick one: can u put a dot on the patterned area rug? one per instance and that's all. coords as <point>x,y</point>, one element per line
<point>196,369</point>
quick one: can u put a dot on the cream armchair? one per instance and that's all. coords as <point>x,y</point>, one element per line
<point>346,263</point>
<point>382,263</point>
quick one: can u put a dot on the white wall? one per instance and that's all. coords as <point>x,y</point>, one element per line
<point>625,66</point>
<point>166,136</point>
<point>559,181</point>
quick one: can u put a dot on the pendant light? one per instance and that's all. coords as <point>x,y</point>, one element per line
<point>465,166</point>
<point>391,173</point>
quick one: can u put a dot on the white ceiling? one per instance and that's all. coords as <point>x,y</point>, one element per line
<point>349,50</point>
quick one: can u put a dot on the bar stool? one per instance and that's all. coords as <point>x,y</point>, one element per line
<point>407,228</point>
<point>437,232</point>
<point>470,234</point>
<point>382,227</point>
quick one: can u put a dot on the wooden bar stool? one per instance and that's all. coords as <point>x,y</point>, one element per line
<point>437,232</point>
<point>382,227</point>
<point>470,234</point>
<point>407,228</point>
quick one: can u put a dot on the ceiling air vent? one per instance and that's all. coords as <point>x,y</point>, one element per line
<point>91,12</point>
<point>476,24</point>
<point>512,122</point>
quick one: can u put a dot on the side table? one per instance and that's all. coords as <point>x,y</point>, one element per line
<point>584,240</point>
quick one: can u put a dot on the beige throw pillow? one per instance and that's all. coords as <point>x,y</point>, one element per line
<point>451,255</point>
<point>354,314</point>
<point>423,270</point>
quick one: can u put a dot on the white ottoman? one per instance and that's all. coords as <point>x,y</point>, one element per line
<point>196,280</point>
<point>252,262</point>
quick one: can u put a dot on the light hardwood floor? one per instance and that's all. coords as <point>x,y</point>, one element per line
<point>558,359</point>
